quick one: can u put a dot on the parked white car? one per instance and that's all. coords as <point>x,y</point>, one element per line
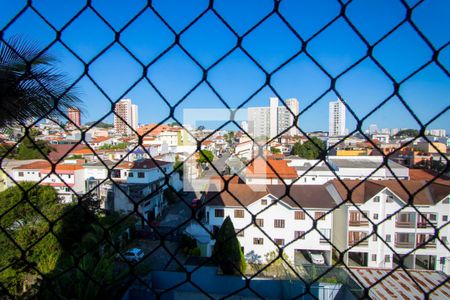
<point>316,257</point>
<point>134,254</point>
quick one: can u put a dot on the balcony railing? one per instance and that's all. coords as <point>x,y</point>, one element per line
<point>426,224</point>
<point>358,223</point>
<point>362,244</point>
<point>408,244</point>
<point>403,224</point>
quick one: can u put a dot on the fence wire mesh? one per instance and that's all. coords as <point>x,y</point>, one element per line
<point>85,270</point>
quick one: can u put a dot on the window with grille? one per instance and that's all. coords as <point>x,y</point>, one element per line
<point>238,213</point>
<point>278,223</point>
<point>219,213</point>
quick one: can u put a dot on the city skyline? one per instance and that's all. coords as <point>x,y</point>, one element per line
<point>362,88</point>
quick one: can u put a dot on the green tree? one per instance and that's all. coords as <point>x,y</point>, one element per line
<point>28,148</point>
<point>30,86</point>
<point>203,154</point>
<point>178,165</point>
<point>118,146</point>
<point>227,250</point>
<point>407,133</point>
<point>100,124</point>
<point>309,150</point>
<point>275,150</point>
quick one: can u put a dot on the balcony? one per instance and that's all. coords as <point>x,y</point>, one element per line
<point>407,244</point>
<point>425,224</point>
<point>358,223</point>
<point>364,243</point>
<point>404,224</point>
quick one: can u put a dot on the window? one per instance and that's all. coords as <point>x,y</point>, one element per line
<point>390,199</point>
<point>444,218</point>
<point>387,258</point>
<point>264,202</point>
<point>20,174</point>
<point>115,173</point>
<point>131,174</point>
<point>141,174</point>
<point>299,235</point>
<point>278,223</point>
<point>446,201</point>
<point>319,215</point>
<point>299,215</point>
<point>388,238</point>
<point>279,242</point>
<point>69,176</point>
<point>259,222</point>
<point>238,213</point>
<point>258,241</point>
<point>374,257</point>
<point>239,232</point>
<point>274,202</point>
<point>219,213</point>
<point>376,199</point>
<point>374,237</point>
<point>375,216</point>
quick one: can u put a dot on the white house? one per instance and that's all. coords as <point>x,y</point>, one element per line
<point>346,167</point>
<point>401,228</point>
<point>142,182</point>
<point>68,183</point>
<point>266,220</point>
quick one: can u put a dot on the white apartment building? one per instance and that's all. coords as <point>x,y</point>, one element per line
<point>129,113</point>
<point>272,120</point>
<point>279,220</point>
<point>140,182</point>
<point>336,118</point>
<point>68,183</point>
<point>305,172</point>
<point>402,227</point>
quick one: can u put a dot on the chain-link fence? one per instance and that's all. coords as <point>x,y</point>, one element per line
<point>78,249</point>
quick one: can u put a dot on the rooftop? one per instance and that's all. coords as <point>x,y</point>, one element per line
<point>400,285</point>
<point>363,191</point>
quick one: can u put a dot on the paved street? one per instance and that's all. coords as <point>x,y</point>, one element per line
<point>179,212</point>
<point>219,163</point>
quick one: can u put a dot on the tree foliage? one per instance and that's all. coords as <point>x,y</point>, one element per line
<point>274,150</point>
<point>28,148</point>
<point>227,250</point>
<point>74,244</point>
<point>100,124</point>
<point>407,133</point>
<point>30,86</point>
<point>203,155</point>
<point>118,146</point>
<point>309,150</point>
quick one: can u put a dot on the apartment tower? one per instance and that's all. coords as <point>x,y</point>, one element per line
<point>129,113</point>
<point>74,115</point>
<point>336,119</point>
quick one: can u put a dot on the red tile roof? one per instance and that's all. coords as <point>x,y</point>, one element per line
<point>310,196</point>
<point>260,168</point>
<point>429,195</point>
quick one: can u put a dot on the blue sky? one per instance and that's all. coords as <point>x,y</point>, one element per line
<point>236,78</point>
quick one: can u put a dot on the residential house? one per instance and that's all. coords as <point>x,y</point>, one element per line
<point>268,219</point>
<point>402,225</point>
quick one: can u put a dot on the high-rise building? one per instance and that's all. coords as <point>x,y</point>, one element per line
<point>74,115</point>
<point>272,120</point>
<point>129,113</point>
<point>336,118</point>
<point>373,128</point>
<point>134,116</point>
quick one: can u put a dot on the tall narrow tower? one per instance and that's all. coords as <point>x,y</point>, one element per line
<point>336,118</point>
<point>74,115</point>
<point>128,114</point>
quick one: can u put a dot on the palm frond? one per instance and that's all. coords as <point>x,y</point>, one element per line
<point>30,86</point>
